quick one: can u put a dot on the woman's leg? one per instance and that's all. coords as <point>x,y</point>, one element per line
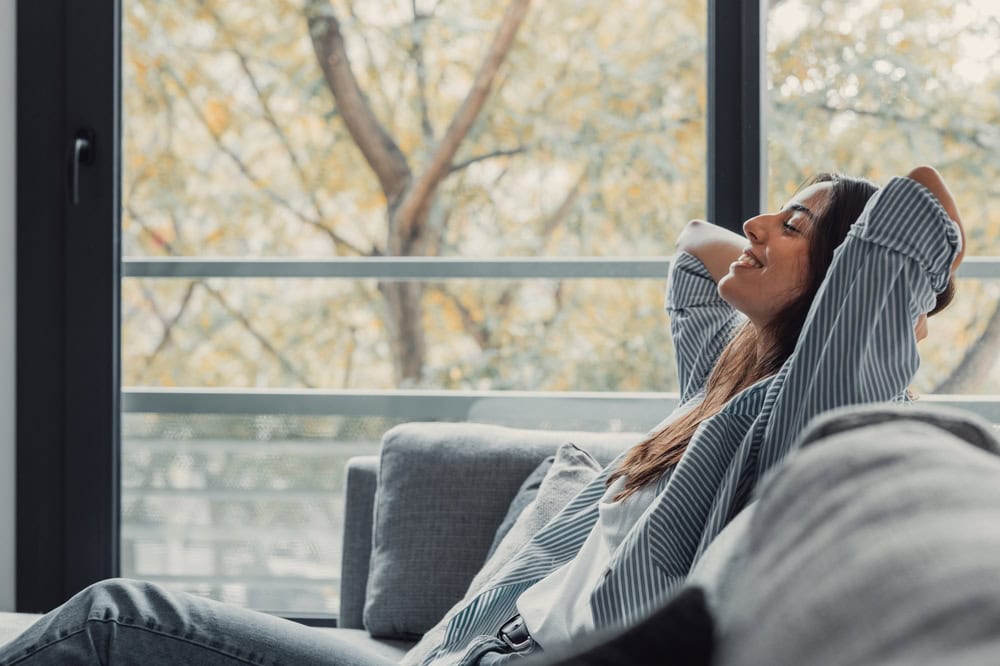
<point>131,622</point>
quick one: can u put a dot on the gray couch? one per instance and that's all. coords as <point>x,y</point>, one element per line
<point>427,462</point>
<point>886,487</point>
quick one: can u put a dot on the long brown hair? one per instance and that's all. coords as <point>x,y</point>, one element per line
<point>741,364</point>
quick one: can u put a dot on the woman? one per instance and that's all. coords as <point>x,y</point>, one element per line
<point>829,322</point>
<point>818,329</point>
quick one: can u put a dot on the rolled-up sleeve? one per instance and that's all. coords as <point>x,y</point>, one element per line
<point>857,344</point>
<point>701,323</point>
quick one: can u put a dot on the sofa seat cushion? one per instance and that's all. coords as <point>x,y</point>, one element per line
<point>12,624</point>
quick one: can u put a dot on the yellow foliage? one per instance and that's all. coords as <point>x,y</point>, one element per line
<point>216,116</point>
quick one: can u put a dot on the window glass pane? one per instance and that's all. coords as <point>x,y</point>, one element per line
<point>246,509</point>
<point>592,141</point>
<point>874,88</point>
<point>237,143</point>
<point>559,335</point>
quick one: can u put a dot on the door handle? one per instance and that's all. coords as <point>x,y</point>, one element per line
<point>82,152</point>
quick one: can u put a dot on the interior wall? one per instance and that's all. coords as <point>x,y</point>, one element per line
<point>7,303</point>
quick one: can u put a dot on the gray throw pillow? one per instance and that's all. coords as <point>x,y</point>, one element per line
<point>572,469</point>
<point>525,495</point>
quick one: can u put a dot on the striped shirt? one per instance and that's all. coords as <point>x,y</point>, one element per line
<point>857,346</point>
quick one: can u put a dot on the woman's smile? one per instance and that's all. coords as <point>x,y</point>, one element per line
<point>747,260</point>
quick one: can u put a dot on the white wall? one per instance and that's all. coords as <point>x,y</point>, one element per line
<point>7,277</point>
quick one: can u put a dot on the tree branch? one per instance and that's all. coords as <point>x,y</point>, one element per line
<point>168,324</point>
<point>336,238</point>
<point>479,332</point>
<point>963,135</point>
<point>417,55</point>
<point>977,362</point>
<point>263,341</point>
<point>238,316</point>
<point>418,195</point>
<point>387,103</point>
<point>352,347</point>
<point>486,156</point>
<point>564,208</point>
<point>265,106</point>
<point>378,148</point>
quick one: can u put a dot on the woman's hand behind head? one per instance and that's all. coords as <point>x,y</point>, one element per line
<point>929,177</point>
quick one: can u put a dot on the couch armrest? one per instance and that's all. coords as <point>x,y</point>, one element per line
<point>359,503</point>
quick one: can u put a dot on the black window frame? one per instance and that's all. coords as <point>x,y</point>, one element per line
<point>69,263</point>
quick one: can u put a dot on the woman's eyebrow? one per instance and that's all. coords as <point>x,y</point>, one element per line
<point>801,209</point>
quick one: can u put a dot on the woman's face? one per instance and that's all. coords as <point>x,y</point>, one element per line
<point>773,268</point>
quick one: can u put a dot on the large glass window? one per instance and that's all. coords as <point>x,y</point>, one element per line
<point>349,132</point>
<point>874,88</point>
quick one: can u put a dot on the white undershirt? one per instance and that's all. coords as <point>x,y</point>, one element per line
<point>557,608</point>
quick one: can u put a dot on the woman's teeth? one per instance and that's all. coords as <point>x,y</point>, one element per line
<point>748,260</point>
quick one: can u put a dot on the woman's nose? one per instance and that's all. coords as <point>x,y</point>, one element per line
<point>754,228</point>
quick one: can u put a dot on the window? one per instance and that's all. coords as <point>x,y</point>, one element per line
<point>278,312</point>
<point>240,148</point>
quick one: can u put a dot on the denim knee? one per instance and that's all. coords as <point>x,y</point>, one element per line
<point>119,598</point>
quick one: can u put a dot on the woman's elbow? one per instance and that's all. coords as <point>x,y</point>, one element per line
<point>693,233</point>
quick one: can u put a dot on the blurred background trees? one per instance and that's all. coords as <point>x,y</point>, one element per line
<point>585,136</point>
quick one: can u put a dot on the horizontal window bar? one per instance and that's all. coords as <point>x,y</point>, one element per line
<point>216,533</point>
<point>631,411</point>
<point>316,448</point>
<point>232,494</point>
<point>270,581</point>
<point>620,411</point>
<point>399,268</point>
<point>439,268</point>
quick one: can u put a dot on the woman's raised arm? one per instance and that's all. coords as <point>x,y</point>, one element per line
<point>701,322</point>
<point>712,245</point>
<point>930,178</point>
<point>858,345</point>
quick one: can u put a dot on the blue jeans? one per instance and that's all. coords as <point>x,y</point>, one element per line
<point>131,622</point>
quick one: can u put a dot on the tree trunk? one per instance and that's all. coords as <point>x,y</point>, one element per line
<point>404,302</point>
<point>404,319</point>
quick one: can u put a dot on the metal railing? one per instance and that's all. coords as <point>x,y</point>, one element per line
<point>439,268</point>
<point>625,411</point>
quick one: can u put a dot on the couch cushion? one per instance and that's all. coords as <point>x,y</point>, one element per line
<point>443,490</point>
<point>872,545</point>
<point>12,624</point>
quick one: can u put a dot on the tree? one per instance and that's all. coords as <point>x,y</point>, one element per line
<point>409,198</point>
<point>582,138</point>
